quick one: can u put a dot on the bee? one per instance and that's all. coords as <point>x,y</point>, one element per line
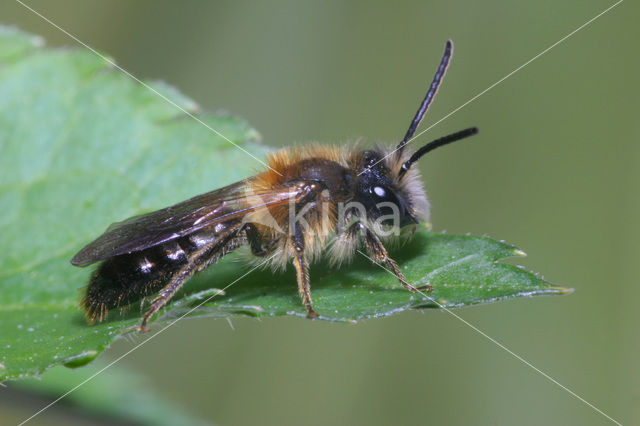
<point>311,200</point>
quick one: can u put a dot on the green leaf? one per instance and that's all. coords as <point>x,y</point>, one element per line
<point>83,145</point>
<point>463,270</point>
<point>120,395</point>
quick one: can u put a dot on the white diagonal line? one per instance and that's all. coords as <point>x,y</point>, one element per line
<point>245,151</point>
<point>141,343</point>
<point>127,73</point>
<point>502,79</point>
<point>500,345</point>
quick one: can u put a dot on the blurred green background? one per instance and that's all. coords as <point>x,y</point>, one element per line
<point>554,170</point>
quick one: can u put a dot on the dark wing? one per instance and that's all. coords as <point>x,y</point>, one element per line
<point>148,230</point>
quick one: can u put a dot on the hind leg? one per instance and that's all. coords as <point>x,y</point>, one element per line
<point>167,293</point>
<point>197,261</point>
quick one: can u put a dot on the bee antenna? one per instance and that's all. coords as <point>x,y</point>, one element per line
<point>431,93</point>
<point>462,134</point>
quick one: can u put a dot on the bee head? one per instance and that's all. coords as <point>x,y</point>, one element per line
<point>387,185</point>
<point>389,188</point>
<point>381,194</point>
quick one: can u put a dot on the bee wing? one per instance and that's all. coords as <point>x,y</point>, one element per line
<point>140,232</point>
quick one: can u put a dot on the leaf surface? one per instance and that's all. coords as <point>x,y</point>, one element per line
<point>119,395</point>
<point>82,146</point>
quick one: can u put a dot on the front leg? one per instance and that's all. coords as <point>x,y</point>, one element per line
<point>379,253</point>
<point>301,264</point>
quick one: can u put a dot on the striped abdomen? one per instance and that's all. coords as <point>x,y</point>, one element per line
<point>124,279</point>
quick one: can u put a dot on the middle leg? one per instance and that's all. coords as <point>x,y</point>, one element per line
<point>301,264</point>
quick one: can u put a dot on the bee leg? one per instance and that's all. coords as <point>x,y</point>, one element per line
<point>255,240</point>
<point>197,262</point>
<point>301,264</point>
<point>380,255</point>
<point>178,279</point>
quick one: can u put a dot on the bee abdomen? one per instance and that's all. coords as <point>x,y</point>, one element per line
<point>122,280</point>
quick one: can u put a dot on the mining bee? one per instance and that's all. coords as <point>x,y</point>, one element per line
<point>311,200</point>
